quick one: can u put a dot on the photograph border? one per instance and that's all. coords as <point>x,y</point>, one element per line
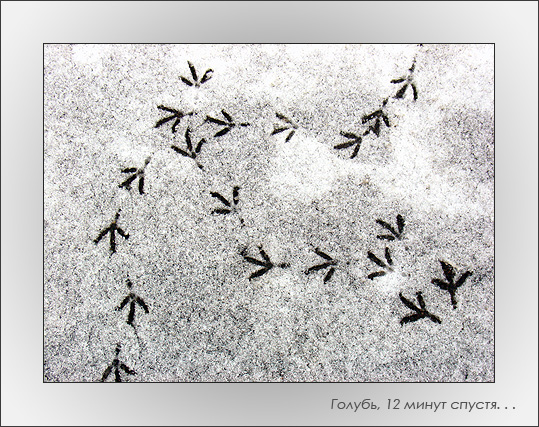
<point>26,26</point>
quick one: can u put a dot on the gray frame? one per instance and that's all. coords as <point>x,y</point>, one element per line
<point>25,26</point>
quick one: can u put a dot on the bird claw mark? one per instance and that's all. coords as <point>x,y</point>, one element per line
<point>385,265</point>
<point>176,114</point>
<point>228,124</point>
<point>420,312</point>
<point>196,81</point>
<point>450,285</point>
<point>136,173</point>
<point>395,234</point>
<point>354,140</point>
<point>265,263</point>
<point>408,80</point>
<point>378,116</point>
<point>112,229</point>
<point>189,151</point>
<point>133,299</point>
<point>117,365</point>
<point>330,263</point>
<point>289,126</point>
<point>229,206</point>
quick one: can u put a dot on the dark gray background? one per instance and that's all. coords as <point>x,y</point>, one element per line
<point>311,399</point>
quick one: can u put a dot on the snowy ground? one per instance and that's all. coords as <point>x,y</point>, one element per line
<point>207,321</point>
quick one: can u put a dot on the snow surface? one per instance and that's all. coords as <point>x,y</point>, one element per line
<point>208,322</point>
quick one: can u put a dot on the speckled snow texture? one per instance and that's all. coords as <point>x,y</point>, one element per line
<point>207,321</point>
